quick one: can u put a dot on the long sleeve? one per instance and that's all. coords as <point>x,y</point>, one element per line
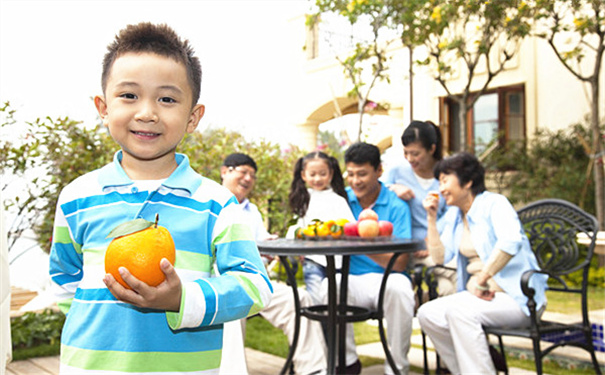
<point>497,260</point>
<point>434,244</point>
<point>66,261</point>
<point>243,287</point>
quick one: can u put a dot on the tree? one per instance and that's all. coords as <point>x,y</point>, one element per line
<point>372,51</point>
<point>481,34</point>
<point>46,157</point>
<point>207,149</point>
<point>51,153</point>
<point>405,20</point>
<point>583,23</point>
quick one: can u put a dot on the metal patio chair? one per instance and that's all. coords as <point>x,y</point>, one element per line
<point>553,226</point>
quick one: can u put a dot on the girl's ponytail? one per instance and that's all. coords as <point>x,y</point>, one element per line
<point>299,196</point>
<point>337,184</point>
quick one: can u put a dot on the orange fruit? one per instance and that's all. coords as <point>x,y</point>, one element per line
<point>140,251</point>
<point>323,230</point>
<point>336,230</point>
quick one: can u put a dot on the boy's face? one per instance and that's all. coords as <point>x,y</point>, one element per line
<point>363,179</point>
<point>147,106</point>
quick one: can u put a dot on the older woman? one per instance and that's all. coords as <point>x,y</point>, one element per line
<point>483,230</point>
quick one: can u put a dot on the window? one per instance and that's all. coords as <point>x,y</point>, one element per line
<point>497,114</point>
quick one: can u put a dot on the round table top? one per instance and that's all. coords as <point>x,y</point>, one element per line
<point>349,246</point>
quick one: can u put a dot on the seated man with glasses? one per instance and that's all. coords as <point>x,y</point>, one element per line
<point>238,174</point>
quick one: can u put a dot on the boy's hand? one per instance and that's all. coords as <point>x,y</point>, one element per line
<point>166,296</point>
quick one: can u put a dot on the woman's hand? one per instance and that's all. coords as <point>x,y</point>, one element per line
<point>481,288</point>
<point>402,191</point>
<point>431,205</point>
<point>166,296</point>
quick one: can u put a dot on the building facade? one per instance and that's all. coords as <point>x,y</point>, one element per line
<point>535,91</point>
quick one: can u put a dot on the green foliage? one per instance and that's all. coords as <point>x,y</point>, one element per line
<point>553,164</point>
<point>47,154</point>
<point>367,64</point>
<point>36,330</point>
<point>275,166</point>
<point>596,274</point>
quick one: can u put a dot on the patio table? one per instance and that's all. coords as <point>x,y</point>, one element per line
<point>337,313</point>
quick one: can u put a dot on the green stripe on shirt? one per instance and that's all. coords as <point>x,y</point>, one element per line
<point>139,361</point>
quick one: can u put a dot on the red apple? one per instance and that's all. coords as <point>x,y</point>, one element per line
<point>367,214</point>
<point>368,228</point>
<point>385,228</point>
<point>350,229</point>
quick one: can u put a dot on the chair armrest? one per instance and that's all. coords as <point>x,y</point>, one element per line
<point>530,292</point>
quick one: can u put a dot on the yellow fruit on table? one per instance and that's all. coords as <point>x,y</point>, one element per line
<point>341,222</point>
<point>323,230</point>
<point>139,246</point>
<point>309,231</point>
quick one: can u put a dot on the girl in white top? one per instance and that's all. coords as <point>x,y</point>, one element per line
<point>317,192</point>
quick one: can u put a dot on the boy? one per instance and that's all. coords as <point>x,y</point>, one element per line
<point>362,162</point>
<point>238,174</point>
<point>151,84</point>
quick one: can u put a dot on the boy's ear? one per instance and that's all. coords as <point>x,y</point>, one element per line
<point>194,118</point>
<point>102,109</point>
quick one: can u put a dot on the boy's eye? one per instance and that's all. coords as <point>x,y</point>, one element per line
<point>128,96</point>
<point>167,100</point>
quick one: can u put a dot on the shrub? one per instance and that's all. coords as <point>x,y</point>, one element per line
<point>553,164</point>
<point>36,334</point>
<point>550,165</point>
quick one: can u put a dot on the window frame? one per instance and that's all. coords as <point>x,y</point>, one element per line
<point>448,119</point>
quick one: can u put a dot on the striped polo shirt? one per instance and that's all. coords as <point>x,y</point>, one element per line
<point>102,334</point>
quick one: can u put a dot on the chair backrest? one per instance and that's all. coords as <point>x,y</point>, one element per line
<point>553,226</point>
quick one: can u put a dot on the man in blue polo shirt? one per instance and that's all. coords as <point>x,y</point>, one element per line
<point>363,166</point>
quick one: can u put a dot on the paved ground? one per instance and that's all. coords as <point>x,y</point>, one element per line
<point>260,363</point>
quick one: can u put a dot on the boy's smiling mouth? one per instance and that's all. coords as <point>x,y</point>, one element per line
<point>145,134</point>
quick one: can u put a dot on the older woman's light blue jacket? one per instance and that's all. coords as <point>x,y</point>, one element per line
<point>493,224</point>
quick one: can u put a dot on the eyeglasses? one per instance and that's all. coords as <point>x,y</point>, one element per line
<point>244,173</point>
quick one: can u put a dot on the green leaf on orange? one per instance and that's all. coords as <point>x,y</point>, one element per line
<point>129,227</point>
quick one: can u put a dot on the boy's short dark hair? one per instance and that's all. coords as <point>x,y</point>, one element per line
<point>237,159</point>
<point>466,167</point>
<point>159,39</point>
<point>362,153</point>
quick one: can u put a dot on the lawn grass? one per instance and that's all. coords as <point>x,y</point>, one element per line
<point>565,304</point>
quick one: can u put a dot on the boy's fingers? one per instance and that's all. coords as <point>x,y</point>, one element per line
<point>137,286</point>
<point>169,271</point>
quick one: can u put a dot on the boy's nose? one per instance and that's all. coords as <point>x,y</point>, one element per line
<point>146,113</point>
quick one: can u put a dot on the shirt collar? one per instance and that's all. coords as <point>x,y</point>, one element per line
<point>382,199</point>
<point>476,208</point>
<point>245,204</point>
<point>183,176</point>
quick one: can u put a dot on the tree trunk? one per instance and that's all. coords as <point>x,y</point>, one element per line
<point>597,153</point>
<point>361,109</point>
<point>462,120</point>
<point>411,83</point>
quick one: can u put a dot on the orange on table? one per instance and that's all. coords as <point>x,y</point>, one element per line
<point>140,252</point>
<point>309,231</point>
<point>323,229</point>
